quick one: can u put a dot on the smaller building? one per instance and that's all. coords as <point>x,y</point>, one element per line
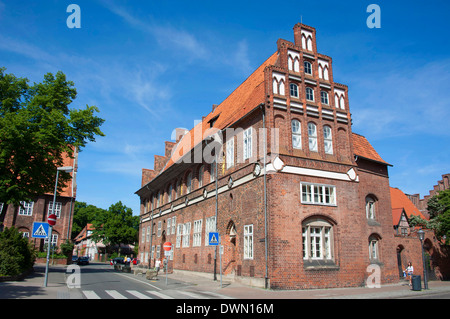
<point>408,246</point>
<point>24,216</point>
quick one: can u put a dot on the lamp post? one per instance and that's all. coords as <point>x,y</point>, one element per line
<point>421,234</point>
<point>66,169</point>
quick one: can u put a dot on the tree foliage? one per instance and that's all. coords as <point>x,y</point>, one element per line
<point>84,214</point>
<point>116,226</point>
<point>37,130</point>
<point>16,253</point>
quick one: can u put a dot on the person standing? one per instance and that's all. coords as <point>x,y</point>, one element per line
<point>157,265</point>
<point>409,272</point>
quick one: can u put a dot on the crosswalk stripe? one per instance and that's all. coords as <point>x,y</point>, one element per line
<point>90,294</point>
<point>138,294</point>
<point>115,294</point>
<point>160,295</point>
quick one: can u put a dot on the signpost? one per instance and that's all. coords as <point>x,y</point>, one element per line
<point>214,240</point>
<point>40,230</point>
<point>167,252</point>
<point>51,219</point>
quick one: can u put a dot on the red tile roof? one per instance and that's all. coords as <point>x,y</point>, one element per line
<point>362,148</point>
<point>242,100</point>
<point>400,201</point>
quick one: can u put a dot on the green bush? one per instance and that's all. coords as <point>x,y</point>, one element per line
<point>16,253</point>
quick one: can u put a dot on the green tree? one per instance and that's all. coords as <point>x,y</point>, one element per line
<point>84,214</point>
<point>116,226</point>
<point>37,129</point>
<point>16,253</point>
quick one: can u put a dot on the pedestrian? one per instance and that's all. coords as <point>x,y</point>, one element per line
<point>157,265</point>
<point>409,271</point>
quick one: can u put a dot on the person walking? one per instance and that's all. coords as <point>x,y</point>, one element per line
<point>157,265</point>
<point>409,272</point>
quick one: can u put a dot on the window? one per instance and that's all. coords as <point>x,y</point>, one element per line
<point>189,183</point>
<point>317,240</point>
<point>159,228</point>
<point>26,209</point>
<point>312,137</point>
<point>247,143</point>
<point>327,139</point>
<point>201,172</point>
<point>293,89</point>
<point>212,171</point>
<point>296,134</point>
<point>248,242</point>
<point>197,236</point>
<point>143,235</point>
<point>148,234</point>
<point>308,67</point>
<point>373,247</point>
<point>230,152</point>
<point>54,240</point>
<point>324,97</point>
<point>169,226</point>
<point>309,94</point>
<point>158,200</point>
<point>210,226</point>
<point>57,208</point>
<point>174,223</point>
<point>179,235</point>
<point>370,208</point>
<point>178,188</point>
<point>318,194</point>
<point>186,234</point>
<point>169,193</point>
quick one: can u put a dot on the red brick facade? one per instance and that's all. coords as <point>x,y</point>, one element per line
<point>302,220</point>
<point>38,211</point>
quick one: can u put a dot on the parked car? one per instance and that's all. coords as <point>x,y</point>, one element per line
<point>83,261</point>
<point>74,259</point>
<point>117,260</point>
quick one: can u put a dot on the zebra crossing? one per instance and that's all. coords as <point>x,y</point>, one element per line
<point>151,294</point>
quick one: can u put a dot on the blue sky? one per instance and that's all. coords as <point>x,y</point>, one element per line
<point>152,66</point>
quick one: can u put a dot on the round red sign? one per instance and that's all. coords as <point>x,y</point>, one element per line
<point>167,246</point>
<point>51,219</point>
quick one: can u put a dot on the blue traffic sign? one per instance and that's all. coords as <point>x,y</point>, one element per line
<point>40,230</point>
<point>213,239</point>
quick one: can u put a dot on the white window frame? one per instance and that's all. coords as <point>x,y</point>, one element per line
<point>174,224</point>
<point>186,234</point>
<point>293,90</point>
<point>370,208</point>
<point>308,67</point>
<point>296,134</point>
<point>159,228</point>
<point>324,97</point>
<point>309,93</point>
<point>328,139</point>
<point>27,209</point>
<point>248,241</point>
<point>201,173</point>
<point>197,235</point>
<point>179,235</point>
<point>373,248</point>
<point>189,183</point>
<point>147,237</point>
<point>318,194</point>
<point>230,152</point>
<point>169,226</point>
<point>317,240</point>
<point>247,143</point>
<point>58,208</point>
<point>312,137</point>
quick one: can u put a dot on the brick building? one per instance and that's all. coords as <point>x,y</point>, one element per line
<point>301,201</point>
<point>422,203</point>
<point>37,211</point>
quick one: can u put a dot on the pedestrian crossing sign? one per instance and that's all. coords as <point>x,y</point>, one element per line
<point>213,239</point>
<point>40,230</point>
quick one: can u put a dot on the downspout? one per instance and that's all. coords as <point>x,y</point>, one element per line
<point>266,248</point>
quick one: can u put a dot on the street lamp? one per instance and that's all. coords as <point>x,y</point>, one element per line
<point>421,234</point>
<point>66,169</point>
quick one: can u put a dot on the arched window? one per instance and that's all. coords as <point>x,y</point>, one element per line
<point>317,240</point>
<point>309,94</point>
<point>370,208</point>
<point>327,139</point>
<point>201,172</point>
<point>308,67</point>
<point>312,137</point>
<point>296,134</point>
<point>293,89</point>
<point>324,97</point>
<point>189,183</point>
<point>374,240</point>
<point>169,193</point>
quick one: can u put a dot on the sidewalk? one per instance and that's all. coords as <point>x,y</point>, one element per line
<point>33,285</point>
<point>240,291</point>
